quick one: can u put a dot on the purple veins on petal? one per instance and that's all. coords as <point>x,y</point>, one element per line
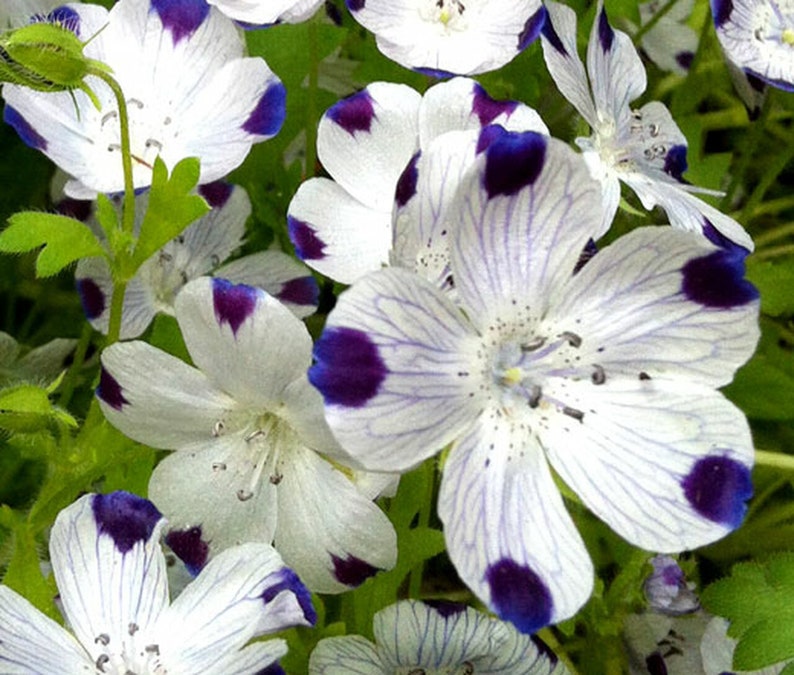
<point>268,115</point>
<point>300,291</point>
<point>513,161</point>
<point>355,113</point>
<point>446,608</point>
<point>308,246</point>
<point>352,571</point>
<point>717,488</point>
<point>348,370</point>
<point>532,28</point>
<point>519,595</point>
<point>125,517</point>
<point>181,18</point>
<point>286,580</point>
<point>675,163</point>
<point>406,184</point>
<point>717,280</point>
<point>91,298</point>
<point>721,11</point>
<point>216,193</point>
<point>233,304</point>
<point>605,33</point>
<point>189,547</point>
<point>27,133</point>
<point>488,109</point>
<point>110,391</point>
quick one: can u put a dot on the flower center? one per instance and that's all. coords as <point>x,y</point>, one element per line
<point>788,36</point>
<point>449,13</point>
<point>465,668</point>
<point>128,658</point>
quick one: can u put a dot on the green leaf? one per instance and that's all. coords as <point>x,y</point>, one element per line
<point>27,408</point>
<point>65,240</point>
<point>775,281</point>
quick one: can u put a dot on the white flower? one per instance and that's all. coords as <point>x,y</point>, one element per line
<point>255,460</point>
<point>671,44</point>
<point>643,148</point>
<point>608,374</point>
<point>435,638</point>
<point>261,12</point>
<point>189,92</point>
<point>111,576</point>
<point>15,13</point>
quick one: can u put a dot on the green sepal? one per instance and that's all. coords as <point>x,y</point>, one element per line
<point>26,408</point>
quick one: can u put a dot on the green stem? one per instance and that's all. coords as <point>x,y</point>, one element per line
<point>774,252</point>
<point>70,380</point>
<point>780,232</point>
<point>312,118</point>
<point>654,20</point>
<point>777,460</point>
<point>423,520</point>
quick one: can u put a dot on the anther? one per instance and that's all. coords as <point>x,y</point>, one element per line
<point>136,102</point>
<point>276,478</point>
<point>107,117</point>
<point>101,662</point>
<point>534,344</point>
<point>535,394</point>
<point>573,412</point>
<point>102,639</point>
<point>644,376</point>
<point>599,375</point>
<point>133,628</point>
<point>219,466</point>
<point>244,495</point>
<point>152,649</point>
<point>572,338</point>
<point>217,428</point>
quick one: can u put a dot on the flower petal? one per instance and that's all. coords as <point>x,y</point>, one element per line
<point>348,655</point>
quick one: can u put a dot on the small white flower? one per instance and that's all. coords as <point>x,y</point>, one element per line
<point>670,43</point>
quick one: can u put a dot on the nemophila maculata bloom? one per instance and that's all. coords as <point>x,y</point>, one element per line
<point>264,12</point>
<point>758,37</point>
<point>343,226</point>
<point>435,638</point>
<point>199,250</point>
<point>111,575</point>
<point>450,37</point>
<point>189,90</point>
<point>608,374</point>
<point>254,460</point>
<point>671,44</point>
<point>643,148</point>
<point>15,13</point>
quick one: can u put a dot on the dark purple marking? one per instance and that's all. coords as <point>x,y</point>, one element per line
<point>606,35</point>
<point>348,370</point>
<point>79,209</point>
<point>269,114</point>
<point>91,298</point>
<point>308,246</point>
<point>672,575</point>
<point>446,608</point>
<point>717,488</point>
<point>286,580</point>
<point>181,18</point>
<point>544,649</point>
<point>352,571</point>
<point>785,85</point>
<point>675,163</point>
<point>513,161</point>
<point>216,193</point>
<point>110,391</point>
<point>655,664</point>
<point>519,595</point>
<point>272,669</point>
<point>190,547</point>
<point>233,303</point>
<point>125,517</point>
<point>26,132</point>
<point>554,40</point>
<point>717,280</point>
<point>355,5</point>
<point>532,28</point>
<point>406,184</point>
<point>721,11</point>
<point>756,83</point>
<point>300,291</point>
<point>437,73</point>
<point>488,109</point>
<point>684,59</point>
<point>587,254</point>
<point>65,17</point>
<point>354,113</point>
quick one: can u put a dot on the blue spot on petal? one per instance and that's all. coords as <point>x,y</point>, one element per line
<point>675,163</point>
<point>300,291</point>
<point>355,113</point>
<point>190,547</point>
<point>513,161</point>
<point>26,132</point>
<point>532,28</point>
<point>717,280</point>
<point>181,18</point>
<point>684,59</point>
<point>721,11</point>
<point>233,303</point>
<point>286,580</point>
<point>348,370</point>
<point>126,518</point>
<point>488,109</point>
<point>216,193</point>
<point>308,246</point>
<point>352,571</point>
<point>554,40</point>
<point>355,5</point>
<point>272,669</point>
<point>606,35</point>
<point>110,391</point>
<point>718,239</point>
<point>268,115</point>
<point>446,608</point>
<point>65,17</point>
<point>91,298</point>
<point>406,184</point>
<point>519,595</point>
<point>717,488</point>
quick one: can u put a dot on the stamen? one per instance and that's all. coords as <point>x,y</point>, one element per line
<point>152,649</point>
<point>644,376</point>
<point>535,394</point>
<point>244,495</point>
<point>136,102</point>
<point>599,375</point>
<point>219,466</point>
<point>573,412</point>
<point>133,628</point>
<point>535,344</point>
<point>572,338</point>
<point>102,639</point>
<point>101,662</point>
<point>218,428</point>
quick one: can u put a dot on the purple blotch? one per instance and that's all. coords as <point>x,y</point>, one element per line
<point>785,85</point>
<point>605,33</point>
<point>355,5</point>
<point>717,238</point>
<point>65,17</point>
<point>308,246</point>
<point>125,517</point>
<point>544,649</point>
<point>79,209</point>
<point>286,580</point>
<point>272,669</point>
<point>684,59</point>
<point>587,254</point>
<point>406,184</point>
<point>216,193</point>
<point>675,163</point>
<point>26,132</point>
<point>721,11</point>
<point>446,608</point>
<point>717,280</point>
<point>655,664</point>
<point>300,291</point>
<point>513,161</point>
<point>91,298</point>
<point>190,547</point>
<point>354,113</point>
<point>233,303</point>
<point>519,595</point>
<point>532,28</point>
<point>437,73</point>
<point>109,390</point>
<point>269,114</point>
<point>348,370</point>
<point>488,109</point>
<point>717,488</point>
<point>554,40</point>
<point>352,571</point>
<point>181,17</point>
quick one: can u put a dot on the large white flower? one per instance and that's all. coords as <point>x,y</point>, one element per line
<point>111,576</point>
<point>261,12</point>
<point>608,374</point>
<point>190,92</point>
<point>643,148</point>
<point>255,459</point>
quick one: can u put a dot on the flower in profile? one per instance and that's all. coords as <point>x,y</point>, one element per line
<point>758,37</point>
<point>412,636</point>
<point>667,589</point>
<point>671,44</point>
<point>111,576</point>
<point>199,250</point>
<point>643,148</point>
<point>20,12</point>
<point>189,92</point>
<point>444,37</point>
<point>608,374</point>
<point>264,12</point>
<point>254,460</point>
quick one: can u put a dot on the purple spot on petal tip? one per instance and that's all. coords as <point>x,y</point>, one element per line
<point>268,116</point>
<point>91,298</point>
<point>348,370</point>
<point>352,571</point>
<point>488,109</point>
<point>544,649</point>
<point>721,11</point>
<point>110,391</point>
<point>655,664</point>
<point>65,17</point>
<point>300,291</point>
<point>406,184</point>
<point>436,73</point>
<point>717,280</point>
<point>605,33</point>
<point>308,246</point>
<point>513,161</point>
<point>272,669</point>
<point>355,5</point>
<point>554,40</point>
<point>79,209</point>
<point>675,163</point>
<point>286,580</point>
<point>446,608</point>
<point>233,303</point>
<point>27,133</point>
<point>519,595</point>
<point>684,59</point>
<point>189,547</point>
<point>355,113</point>
<point>587,254</point>
<point>216,193</point>
<point>532,28</point>
<point>718,239</point>
<point>126,518</point>
<point>181,18</point>
<point>717,488</point>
